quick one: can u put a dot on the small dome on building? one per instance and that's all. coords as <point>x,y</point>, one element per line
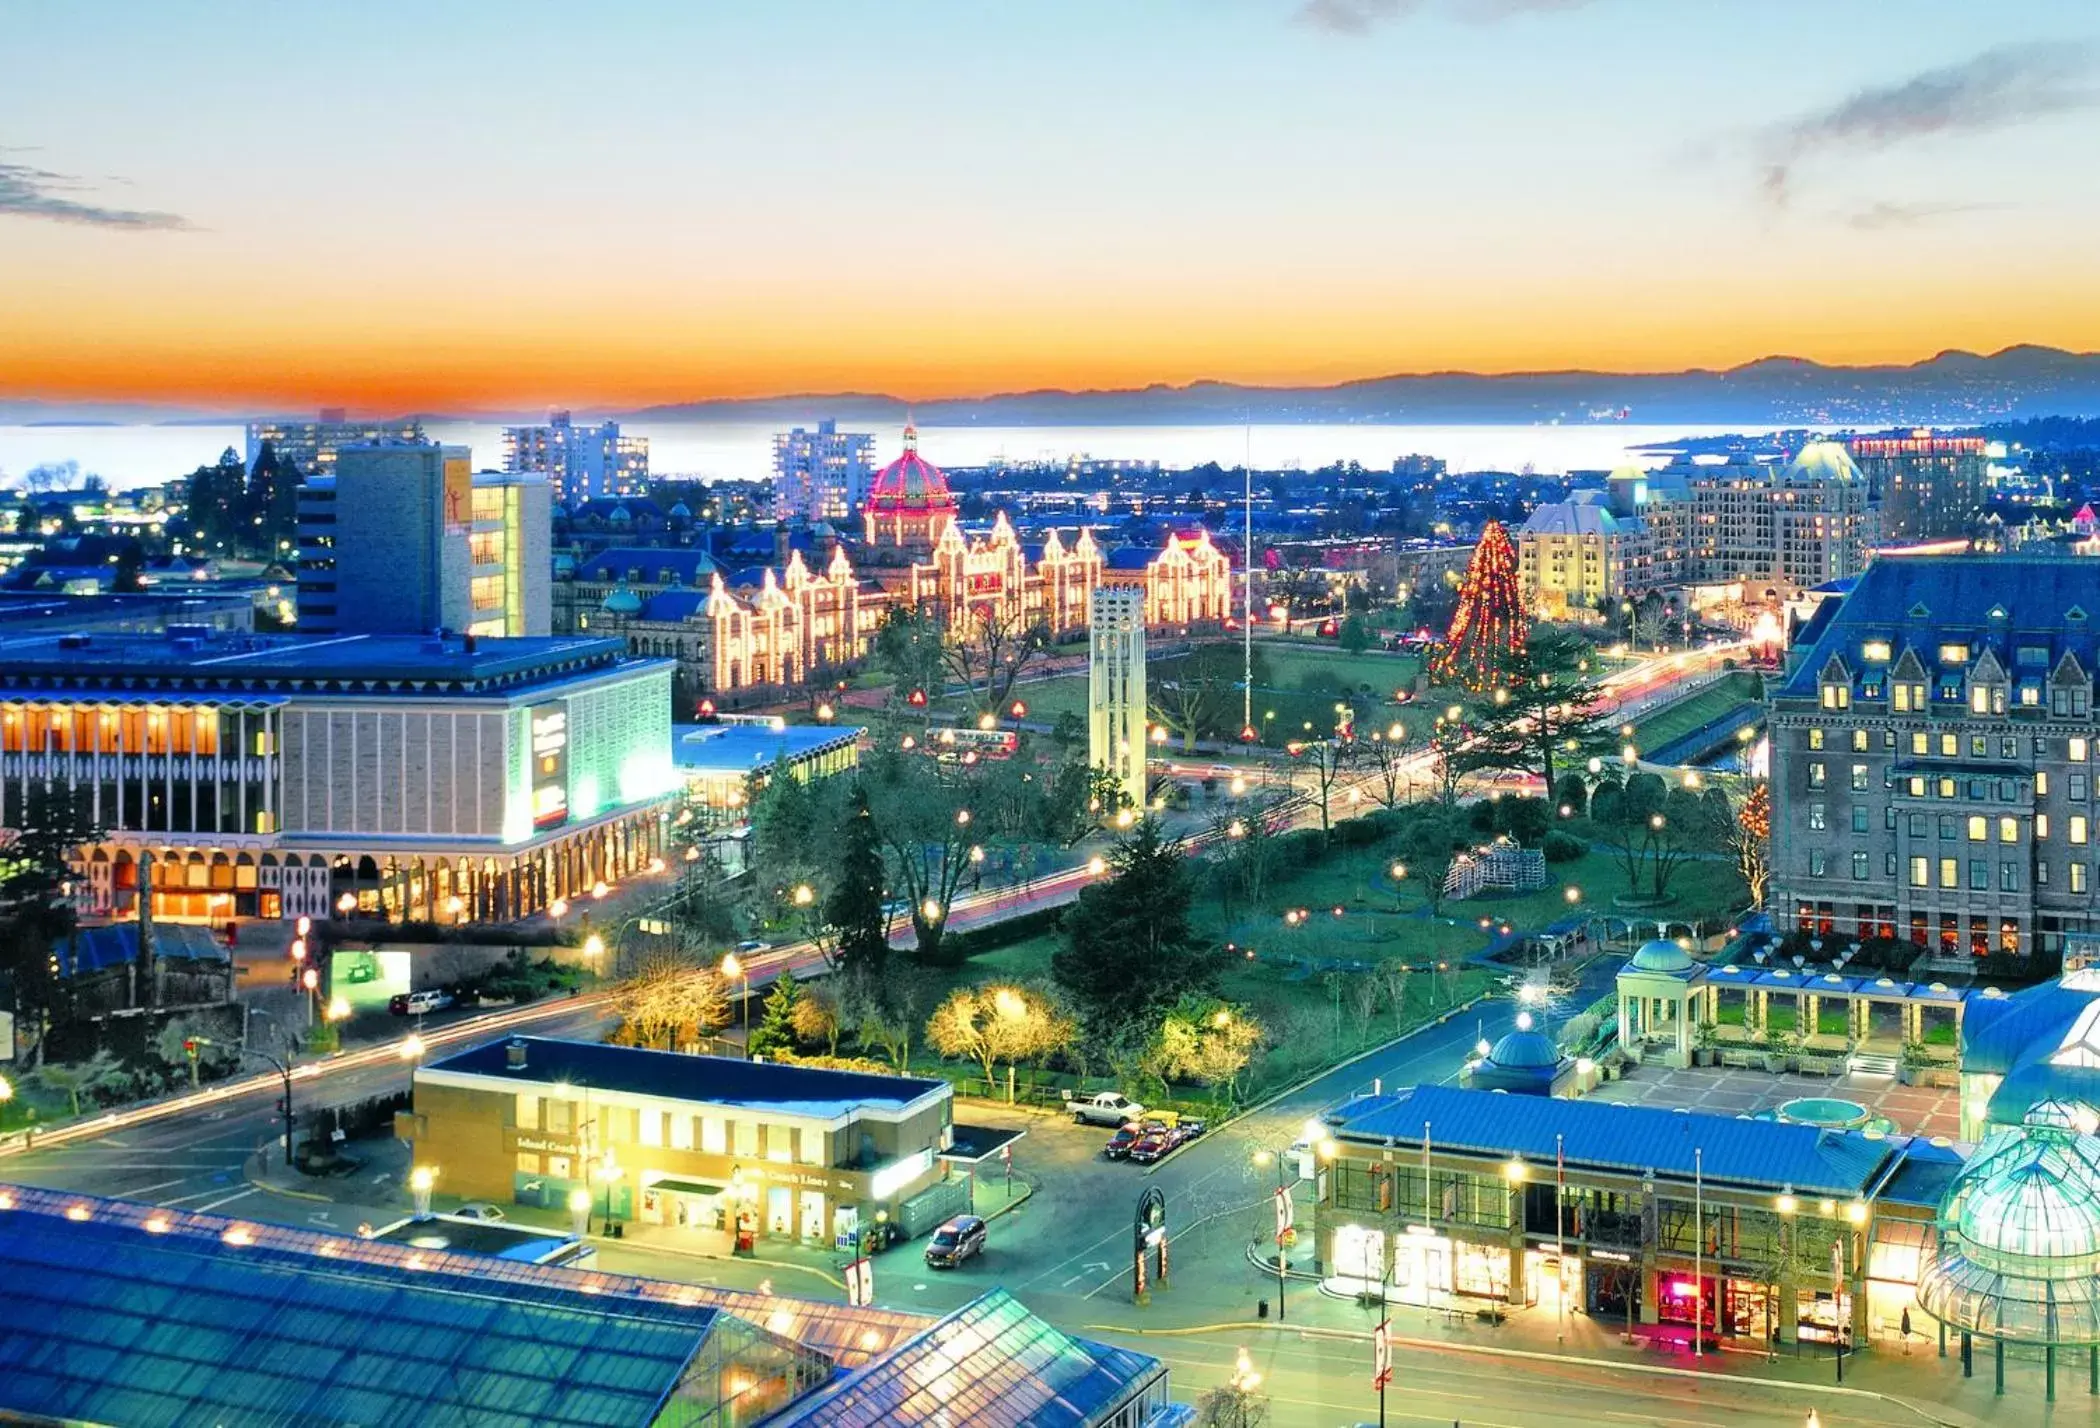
<point>621,601</point>
<point>1661,955</point>
<point>1525,1050</point>
<point>681,512</point>
<point>1823,461</point>
<point>619,516</point>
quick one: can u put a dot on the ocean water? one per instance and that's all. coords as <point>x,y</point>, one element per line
<point>743,450</point>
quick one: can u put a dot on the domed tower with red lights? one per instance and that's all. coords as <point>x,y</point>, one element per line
<point>908,506</point>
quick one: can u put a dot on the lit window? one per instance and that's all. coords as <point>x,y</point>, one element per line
<point>1954,654</point>
<point>1875,651</point>
<point>2078,884</point>
<point>1815,817</point>
<point>1950,872</point>
<point>2008,830</point>
<point>2076,752</point>
<point>1859,741</point>
<point>1859,867</point>
<point>1920,872</point>
<point>1815,738</point>
<point>1979,828</point>
<point>2041,825</point>
<point>2078,828</point>
<point>1859,777</point>
<point>1950,746</point>
<point>1920,743</point>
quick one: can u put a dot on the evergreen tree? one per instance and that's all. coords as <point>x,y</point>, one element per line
<point>854,909</point>
<point>1129,948</point>
<point>776,1024</point>
<point>272,503</point>
<point>1547,712</point>
<point>1488,627</point>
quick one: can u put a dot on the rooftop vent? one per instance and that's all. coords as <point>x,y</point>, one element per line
<point>514,1054</point>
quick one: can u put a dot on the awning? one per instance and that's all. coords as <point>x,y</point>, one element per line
<point>687,1187</point>
<point>973,1145</point>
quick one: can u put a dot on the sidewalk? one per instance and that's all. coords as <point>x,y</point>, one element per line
<point>1928,1386</point>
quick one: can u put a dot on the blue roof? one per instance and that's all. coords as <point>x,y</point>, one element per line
<point>1128,558</point>
<point>108,1322</point>
<point>745,748</point>
<point>674,605</point>
<point>1926,600</point>
<point>719,1080</point>
<point>1925,1175</point>
<point>91,949</point>
<point>990,1364</point>
<point>648,565</point>
<point>1634,1140</point>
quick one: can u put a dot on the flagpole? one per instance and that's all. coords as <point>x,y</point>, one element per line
<point>1560,1249</point>
<point>1428,1231</point>
<point>1698,1250</point>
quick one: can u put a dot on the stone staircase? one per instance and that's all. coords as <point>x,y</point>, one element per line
<point>1873,1063</point>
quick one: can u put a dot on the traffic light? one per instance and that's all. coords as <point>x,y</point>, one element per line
<point>189,1047</point>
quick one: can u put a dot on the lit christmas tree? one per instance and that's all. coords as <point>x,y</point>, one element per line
<point>1489,625</point>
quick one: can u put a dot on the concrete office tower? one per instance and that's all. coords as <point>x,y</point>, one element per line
<point>408,539</point>
<point>1116,688</point>
<point>581,463</point>
<point>1927,487</point>
<point>821,475</point>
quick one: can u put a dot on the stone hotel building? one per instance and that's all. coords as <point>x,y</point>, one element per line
<point>1933,757</point>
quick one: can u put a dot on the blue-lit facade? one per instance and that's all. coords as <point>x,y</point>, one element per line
<point>436,778</point>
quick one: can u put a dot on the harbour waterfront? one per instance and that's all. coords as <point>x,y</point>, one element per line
<point>143,455</point>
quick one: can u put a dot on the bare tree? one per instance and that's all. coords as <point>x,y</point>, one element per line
<point>1392,977</point>
<point>1363,1003</point>
<point>988,646</point>
<point>1386,752</point>
<point>1325,760</point>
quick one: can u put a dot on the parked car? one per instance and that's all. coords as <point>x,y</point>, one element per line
<point>1153,1144</point>
<point>480,1210</point>
<point>752,944</point>
<point>1125,1137</point>
<point>417,1003</point>
<point>1109,1108</point>
<point>955,1242</point>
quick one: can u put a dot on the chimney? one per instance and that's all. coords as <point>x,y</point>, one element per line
<point>514,1054</point>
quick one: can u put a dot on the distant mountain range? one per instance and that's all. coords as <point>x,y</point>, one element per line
<point>1952,389</point>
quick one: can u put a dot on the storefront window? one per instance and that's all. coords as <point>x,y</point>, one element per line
<point>713,1139</point>
<point>1359,1253</point>
<point>681,1132</point>
<point>745,1134</point>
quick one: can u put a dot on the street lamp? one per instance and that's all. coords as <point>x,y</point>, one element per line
<point>7,1090</point>
<point>558,909</point>
<point>411,1047</point>
<point>346,904</point>
<point>593,948</point>
<point>579,1212</point>
<point>338,1008</point>
<point>419,1181</point>
<point>804,895</point>
<point>736,971</point>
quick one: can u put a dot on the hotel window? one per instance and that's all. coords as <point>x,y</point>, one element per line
<point>681,1131</point>
<point>1980,699</point>
<point>1815,738</point>
<point>2008,877</point>
<point>1859,777</point>
<point>1859,818</point>
<point>1899,695</point>
<point>1979,746</point>
<point>1948,789</point>
<point>1950,746</point>
<point>1837,696</point>
<point>528,1112</point>
<point>809,1147</point>
<point>1875,651</point>
<point>1817,775</point>
<point>713,1139</point>
<point>2077,871</point>
<point>2030,696</point>
<point>1979,828</point>
<point>2041,825</point>
<point>1816,821</point>
<point>2076,792</point>
<point>2041,783</point>
<point>1817,863</point>
<point>2008,830</point>
<point>1916,824</point>
<point>528,1162</point>
<point>1920,872</point>
<point>1859,741</point>
<point>1950,872</point>
<point>2041,874</point>
<point>2008,748</point>
<point>744,1134</point>
<point>1916,786</point>
<point>1920,744</point>
<point>1859,867</point>
<point>2076,751</point>
<point>1979,875</point>
<point>652,1128</point>
<point>1954,654</point>
<point>2078,828</point>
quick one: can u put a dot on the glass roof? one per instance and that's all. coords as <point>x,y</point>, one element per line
<point>990,1363</point>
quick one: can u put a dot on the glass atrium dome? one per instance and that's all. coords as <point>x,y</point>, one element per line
<point>1661,955</point>
<point>2019,1235</point>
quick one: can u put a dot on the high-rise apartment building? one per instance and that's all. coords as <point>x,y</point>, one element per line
<point>312,445</point>
<point>406,538</point>
<point>581,463</point>
<point>1934,757</point>
<point>1927,487</point>
<point>821,475</point>
<point>1768,526</point>
<point>1116,688</point>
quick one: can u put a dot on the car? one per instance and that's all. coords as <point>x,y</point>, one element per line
<point>480,1210</point>
<point>1109,1108</point>
<point>750,945</point>
<point>417,1003</point>
<point>1154,1144</point>
<point>1125,1137</point>
<point>955,1242</point>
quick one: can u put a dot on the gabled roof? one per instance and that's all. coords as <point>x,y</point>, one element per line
<point>91,949</point>
<point>685,566</point>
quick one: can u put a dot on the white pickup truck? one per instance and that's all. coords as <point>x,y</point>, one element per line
<point>1109,1108</point>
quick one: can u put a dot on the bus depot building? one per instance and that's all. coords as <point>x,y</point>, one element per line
<point>1777,1233</point>
<point>726,1150</point>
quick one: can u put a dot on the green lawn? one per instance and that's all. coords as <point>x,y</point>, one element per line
<point>1293,662</point>
<point>1673,721</point>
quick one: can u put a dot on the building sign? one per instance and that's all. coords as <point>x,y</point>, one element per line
<point>898,1174</point>
<point>558,1147</point>
<point>459,495</point>
<point>550,764</point>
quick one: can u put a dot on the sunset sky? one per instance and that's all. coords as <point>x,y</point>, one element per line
<point>455,204</point>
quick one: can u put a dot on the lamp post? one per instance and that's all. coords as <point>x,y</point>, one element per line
<point>283,1067</point>
<point>420,1180</point>
<point>736,971</point>
<point>579,1212</point>
<point>1284,1219</point>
